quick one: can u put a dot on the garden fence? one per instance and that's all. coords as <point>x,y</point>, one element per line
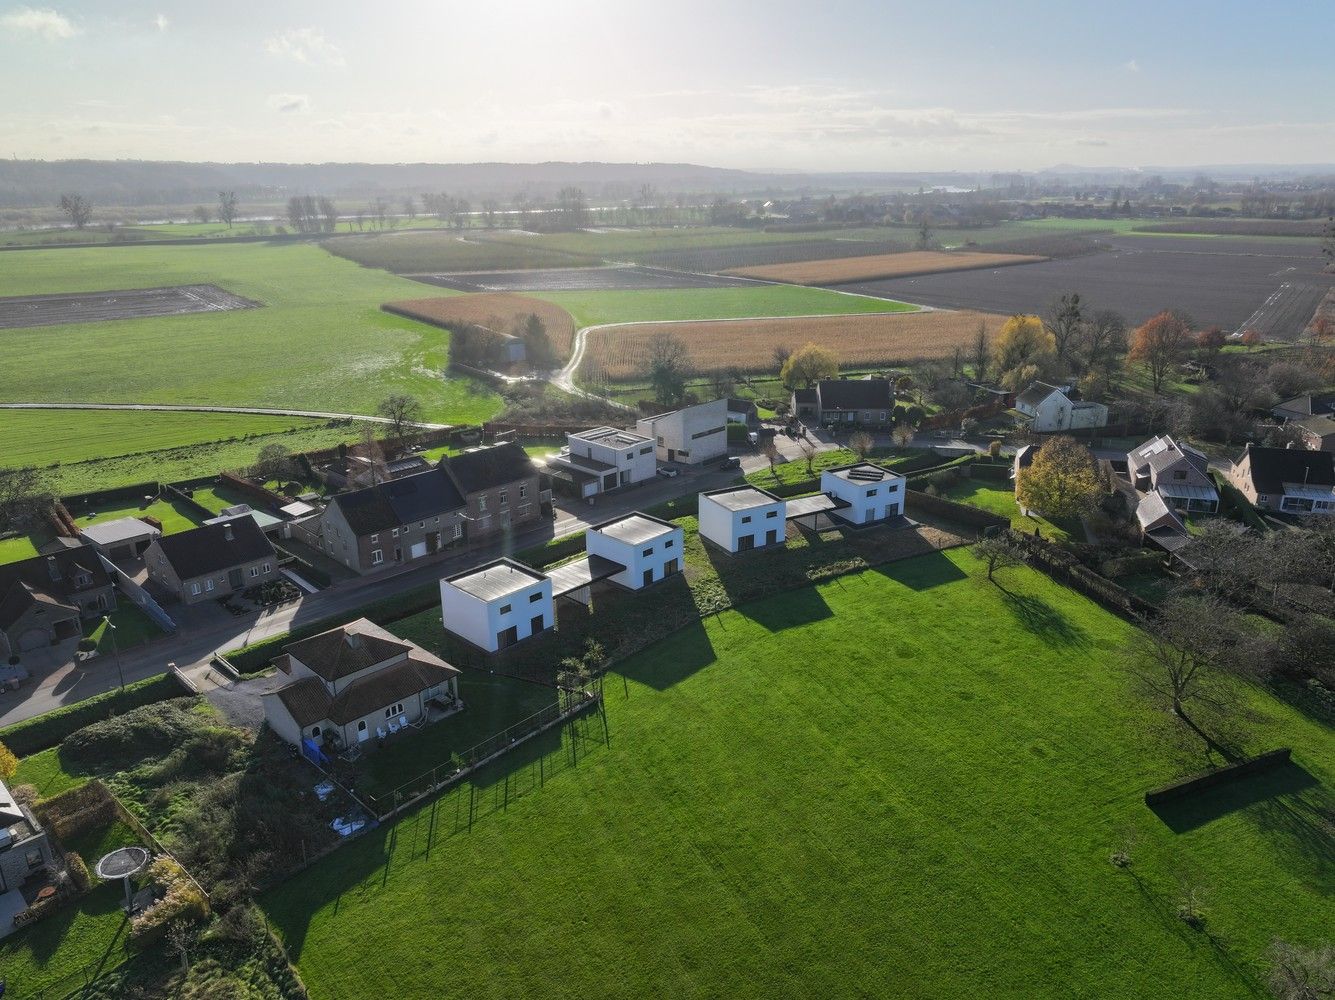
<point>1065,568</point>
<point>138,595</point>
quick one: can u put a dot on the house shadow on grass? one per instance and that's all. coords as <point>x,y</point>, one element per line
<point>672,660</point>
<point>923,572</point>
<point>787,610</point>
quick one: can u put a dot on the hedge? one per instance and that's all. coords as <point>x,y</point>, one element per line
<point>257,656</point>
<point>1235,505</point>
<point>552,551</point>
<point>48,730</point>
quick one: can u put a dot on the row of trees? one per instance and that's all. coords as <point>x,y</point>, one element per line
<point>312,214</point>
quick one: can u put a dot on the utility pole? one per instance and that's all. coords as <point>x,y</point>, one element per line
<point>115,648</point>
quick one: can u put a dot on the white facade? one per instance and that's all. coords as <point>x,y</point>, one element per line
<point>1058,412</point>
<point>650,549</point>
<point>742,518</point>
<point>873,493</point>
<point>607,458</point>
<point>691,435</point>
<point>497,605</point>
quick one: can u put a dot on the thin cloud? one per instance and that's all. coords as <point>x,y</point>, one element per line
<point>160,22</point>
<point>305,45</point>
<point>43,23</point>
<point>1131,66</point>
<point>289,103</point>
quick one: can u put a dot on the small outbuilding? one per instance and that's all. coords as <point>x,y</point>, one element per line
<point>741,518</point>
<point>650,549</point>
<point>872,493</point>
<point>123,538</point>
<point>497,605</point>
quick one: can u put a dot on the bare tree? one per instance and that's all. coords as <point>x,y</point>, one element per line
<point>273,462</point>
<point>981,355</point>
<point>781,354</point>
<point>180,939</point>
<point>902,434</point>
<point>770,449</point>
<point>999,552</point>
<point>808,451</point>
<point>227,207</point>
<point>1065,320</point>
<point>77,208</point>
<point>410,208</point>
<point>201,214</point>
<point>402,411</point>
<point>1298,973</point>
<point>669,364</point>
<point>861,444</point>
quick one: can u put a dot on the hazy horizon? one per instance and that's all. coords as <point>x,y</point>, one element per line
<point>848,87</point>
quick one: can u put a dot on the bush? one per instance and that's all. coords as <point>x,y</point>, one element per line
<point>152,731</point>
<point>45,731</point>
<point>8,763</point>
<point>78,811</point>
<point>79,877</point>
<point>182,900</point>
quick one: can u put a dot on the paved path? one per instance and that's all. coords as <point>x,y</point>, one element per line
<point>192,408</point>
<point>58,684</point>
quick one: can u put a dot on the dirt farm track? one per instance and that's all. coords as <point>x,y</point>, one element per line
<point>1271,285</point>
<point>136,303</point>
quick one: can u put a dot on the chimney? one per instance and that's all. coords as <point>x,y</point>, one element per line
<point>227,531</point>
<point>53,567</point>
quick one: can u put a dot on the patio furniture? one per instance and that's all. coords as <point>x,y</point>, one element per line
<point>393,728</point>
<point>380,732</point>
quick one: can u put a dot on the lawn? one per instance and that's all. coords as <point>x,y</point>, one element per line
<point>1001,500</point>
<point>789,473</point>
<point>144,446</point>
<point>131,626</point>
<point>174,515</point>
<point>643,305</point>
<point>46,772</point>
<point>319,342</point>
<point>904,782</point>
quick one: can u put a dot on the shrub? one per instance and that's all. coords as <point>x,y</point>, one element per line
<point>8,763</point>
<point>123,740</point>
<point>79,810</point>
<point>79,877</point>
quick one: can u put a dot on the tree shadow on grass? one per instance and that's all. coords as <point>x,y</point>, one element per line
<point>1043,620</point>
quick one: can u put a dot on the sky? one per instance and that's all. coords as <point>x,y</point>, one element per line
<point>831,86</point>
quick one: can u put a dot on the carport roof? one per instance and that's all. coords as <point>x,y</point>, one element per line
<point>123,529</point>
<point>818,503</point>
<point>582,572</point>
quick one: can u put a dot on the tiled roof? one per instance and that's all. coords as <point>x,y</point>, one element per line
<point>209,549</point>
<point>400,501</point>
<point>386,687</point>
<point>306,701</point>
<point>1271,468</point>
<point>54,574</point>
<point>488,468</point>
<point>1035,394</point>
<point>855,394</point>
<point>345,650</point>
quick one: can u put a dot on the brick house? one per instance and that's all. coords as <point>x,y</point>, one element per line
<point>212,561</point>
<point>863,402</point>
<point>45,600</point>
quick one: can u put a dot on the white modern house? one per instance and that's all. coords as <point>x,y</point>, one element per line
<point>691,435</point>
<point>1052,409</point>
<point>871,492</point>
<point>650,549</point>
<point>497,605</point>
<point>604,458</point>
<point>741,518</point>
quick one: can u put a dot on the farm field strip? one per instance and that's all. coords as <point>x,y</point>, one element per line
<point>905,781</point>
<point>321,343</point>
<point>134,303</point>
<point>843,270</point>
<point>594,278</point>
<point>498,311</point>
<point>621,352</point>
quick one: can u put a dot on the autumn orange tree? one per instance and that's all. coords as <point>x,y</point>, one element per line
<point>1160,343</point>
<point>1062,481</point>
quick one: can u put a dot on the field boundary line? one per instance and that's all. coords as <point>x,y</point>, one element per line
<point>259,411</point>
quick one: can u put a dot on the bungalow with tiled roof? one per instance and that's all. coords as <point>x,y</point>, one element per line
<point>356,683</point>
<point>46,599</point>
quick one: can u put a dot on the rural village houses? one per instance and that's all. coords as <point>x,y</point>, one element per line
<point>1051,408</point>
<point>212,561</point>
<point>602,459</point>
<point>356,682</point>
<point>866,402</point>
<point>24,849</point>
<point>1291,480</point>
<point>46,599</point>
<point>690,435</point>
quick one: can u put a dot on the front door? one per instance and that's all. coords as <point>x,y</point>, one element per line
<point>771,537</point>
<point>535,626</point>
<point>672,454</point>
<point>648,577</point>
<point>507,637</point>
<point>363,732</point>
<point>235,577</point>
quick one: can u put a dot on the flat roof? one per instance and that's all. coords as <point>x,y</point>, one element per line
<point>635,528</point>
<point>495,579</point>
<point>742,497</point>
<point>612,436</point>
<point>263,520</point>
<point>123,529</point>
<point>862,472</point>
<point>582,572</point>
<point>817,503</point>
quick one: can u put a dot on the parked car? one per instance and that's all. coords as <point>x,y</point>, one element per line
<point>667,473</point>
<point>731,462</point>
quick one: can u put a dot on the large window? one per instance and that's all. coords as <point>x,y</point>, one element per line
<point>708,433</point>
<point>377,557</point>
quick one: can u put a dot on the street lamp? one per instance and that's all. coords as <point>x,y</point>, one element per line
<point>115,648</point>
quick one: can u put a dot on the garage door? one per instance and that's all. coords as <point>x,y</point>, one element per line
<point>35,638</point>
<point>122,552</point>
<point>417,551</point>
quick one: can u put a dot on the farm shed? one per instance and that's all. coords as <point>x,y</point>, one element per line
<point>692,435</point>
<point>648,549</point>
<point>497,604</point>
<point>741,518</point>
<point>123,538</point>
<point>871,493</point>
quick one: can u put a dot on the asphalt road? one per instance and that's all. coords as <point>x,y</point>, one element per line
<point>68,684</point>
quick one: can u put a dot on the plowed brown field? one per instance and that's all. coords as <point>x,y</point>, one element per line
<point>877,266</point>
<point>498,311</point>
<point>622,352</point>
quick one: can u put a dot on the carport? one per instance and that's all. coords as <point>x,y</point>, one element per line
<point>574,578</point>
<point>810,510</point>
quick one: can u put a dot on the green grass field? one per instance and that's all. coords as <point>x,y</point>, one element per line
<point>1000,499</point>
<point>175,516</point>
<point>906,782</point>
<point>319,342</point>
<point>631,306</point>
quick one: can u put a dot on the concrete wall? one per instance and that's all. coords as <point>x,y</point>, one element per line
<point>700,432</point>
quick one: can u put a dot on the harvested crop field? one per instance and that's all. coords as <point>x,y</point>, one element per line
<point>725,258</point>
<point>622,352</point>
<point>1240,227</point>
<point>135,303</point>
<point>497,311</point>
<point>1271,285</point>
<point>842,270</point>
<point>575,279</point>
